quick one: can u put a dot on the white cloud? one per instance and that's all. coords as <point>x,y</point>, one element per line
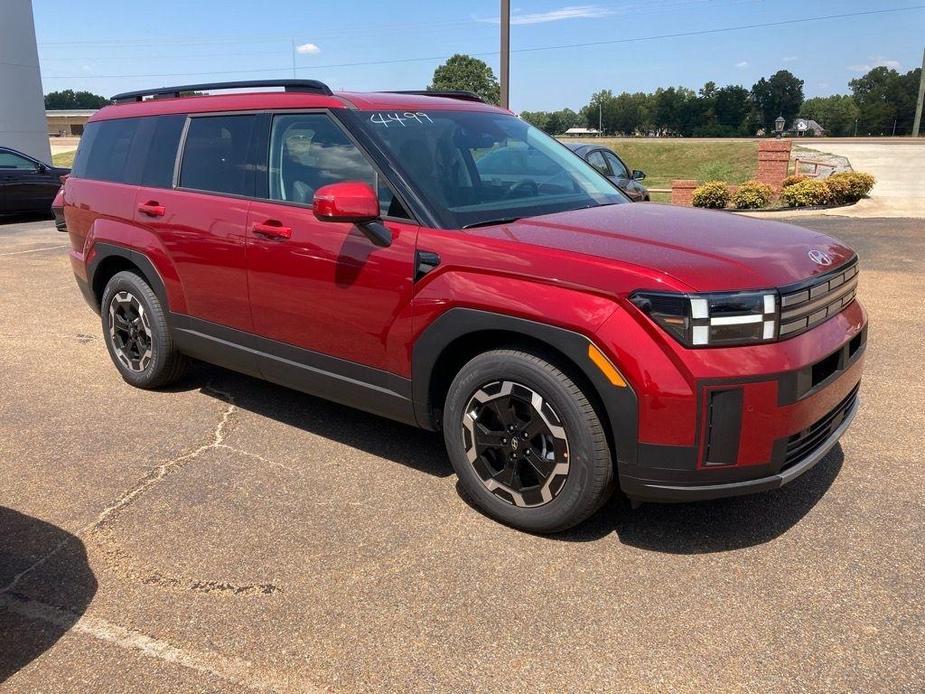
<point>568,12</point>
<point>308,49</point>
<point>789,58</point>
<point>875,61</point>
<point>743,63</point>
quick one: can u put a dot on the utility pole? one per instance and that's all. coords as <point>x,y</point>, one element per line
<point>918,104</point>
<point>292,43</point>
<point>505,53</point>
<point>600,118</point>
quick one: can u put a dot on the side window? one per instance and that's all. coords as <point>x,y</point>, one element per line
<point>108,153</point>
<point>596,159</point>
<point>162,152</point>
<point>308,151</point>
<point>616,165</point>
<point>215,155</point>
<point>8,160</point>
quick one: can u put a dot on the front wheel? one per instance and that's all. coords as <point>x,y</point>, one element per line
<point>526,442</point>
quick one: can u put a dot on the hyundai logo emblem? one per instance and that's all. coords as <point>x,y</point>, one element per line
<point>820,257</point>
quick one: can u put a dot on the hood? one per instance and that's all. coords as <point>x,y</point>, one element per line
<point>707,251</point>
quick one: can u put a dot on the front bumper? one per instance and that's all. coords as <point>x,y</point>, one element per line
<point>666,492</point>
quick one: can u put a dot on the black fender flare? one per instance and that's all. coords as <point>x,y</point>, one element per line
<point>620,404</point>
<point>104,251</point>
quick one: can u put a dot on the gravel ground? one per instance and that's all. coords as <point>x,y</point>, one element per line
<point>230,535</point>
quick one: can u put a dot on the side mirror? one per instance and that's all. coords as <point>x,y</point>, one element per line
<point>638,175</point>
<point>41,168</point>
<point>354,202</point>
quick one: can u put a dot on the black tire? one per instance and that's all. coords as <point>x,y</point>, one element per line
<point>161,363</point>
<point>589,479</point>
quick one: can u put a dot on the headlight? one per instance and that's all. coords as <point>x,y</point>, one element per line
<point>715,319</point>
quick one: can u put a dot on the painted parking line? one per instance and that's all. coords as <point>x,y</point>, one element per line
<point>36,250</point>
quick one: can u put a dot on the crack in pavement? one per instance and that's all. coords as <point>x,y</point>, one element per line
<point>229,668</point>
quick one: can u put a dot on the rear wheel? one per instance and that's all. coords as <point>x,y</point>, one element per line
<point>136,333</point>
<point>526,442</point>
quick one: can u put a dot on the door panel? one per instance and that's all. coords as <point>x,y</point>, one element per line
<point>323,286</point>
<point>327,288</point>
<point>203,235</point>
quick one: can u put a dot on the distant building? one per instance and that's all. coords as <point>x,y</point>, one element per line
<point>67,123</point>
<point>807,126</point>
<point>582,132</point>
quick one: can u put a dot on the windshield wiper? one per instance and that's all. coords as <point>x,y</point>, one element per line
<point>492,222</point>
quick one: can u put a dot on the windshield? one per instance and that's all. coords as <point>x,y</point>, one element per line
<point>479,168</point>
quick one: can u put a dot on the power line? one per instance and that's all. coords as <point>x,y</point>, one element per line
<point>534,49</point>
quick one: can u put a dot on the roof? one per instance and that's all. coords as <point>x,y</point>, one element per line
<point>362,101</point>
<point>70,112</point>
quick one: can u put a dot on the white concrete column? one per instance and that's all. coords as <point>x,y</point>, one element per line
<point>22,104</point>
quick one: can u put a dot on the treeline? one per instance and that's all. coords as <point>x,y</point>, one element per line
<point>882,102</point>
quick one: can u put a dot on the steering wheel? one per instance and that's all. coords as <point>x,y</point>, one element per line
<point>530,188</point>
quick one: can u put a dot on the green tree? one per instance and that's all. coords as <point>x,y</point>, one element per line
<point>780,95</point>
<point>885,97</point>
<point>732,106</point>
<point>469,74</point>
<point>69,99</point>
<point>835,113</point>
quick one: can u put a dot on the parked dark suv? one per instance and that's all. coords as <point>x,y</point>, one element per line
<point>565,343</point>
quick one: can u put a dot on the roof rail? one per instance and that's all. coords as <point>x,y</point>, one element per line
<point>460,94</point>
<point>313,86</point>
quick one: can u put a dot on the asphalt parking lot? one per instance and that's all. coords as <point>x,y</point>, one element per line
<point>230,534</point>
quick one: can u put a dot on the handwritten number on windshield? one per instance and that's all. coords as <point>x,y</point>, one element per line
<point>401,119</point>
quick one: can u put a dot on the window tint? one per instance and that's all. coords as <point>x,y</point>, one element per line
<point>616,165</point>
<point>309,151</point>
<point>8,160</point>
<point>108,150</point>
<point>596,159</point>
<point>162,153</point>
<point>215,155</point>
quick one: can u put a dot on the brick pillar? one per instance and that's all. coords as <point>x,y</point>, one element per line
<point>682,192</point>
<point>773,162</point>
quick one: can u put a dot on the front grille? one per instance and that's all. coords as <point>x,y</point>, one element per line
<point>800,445</point>
<point>809,304</point>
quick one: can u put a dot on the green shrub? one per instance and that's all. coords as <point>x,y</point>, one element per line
<point>752,195</point>
<point>849,187</point>
<point>809,192</point>
<point>790,180</point>
<point>712,194</point>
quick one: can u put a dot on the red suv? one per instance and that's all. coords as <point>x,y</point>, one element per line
<point>356,246</point>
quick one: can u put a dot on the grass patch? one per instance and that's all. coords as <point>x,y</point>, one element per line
<point>63,158</point>
<point>664,160</point>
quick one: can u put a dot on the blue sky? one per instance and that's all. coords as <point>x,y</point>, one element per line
<point>108,46</point>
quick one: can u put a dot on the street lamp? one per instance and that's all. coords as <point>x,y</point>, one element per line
<point>779,125</point>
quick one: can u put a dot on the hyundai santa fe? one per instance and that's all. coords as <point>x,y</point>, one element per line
<point>368,248</point>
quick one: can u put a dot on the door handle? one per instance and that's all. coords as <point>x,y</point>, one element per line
<point>273,229</point>
<point>152,209</point>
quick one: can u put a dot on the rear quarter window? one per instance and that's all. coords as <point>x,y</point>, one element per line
<point>104,150</point>
<point>162,152</point>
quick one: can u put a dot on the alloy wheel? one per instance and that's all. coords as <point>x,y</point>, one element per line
<point>130,331</point>
<point>516,443</point>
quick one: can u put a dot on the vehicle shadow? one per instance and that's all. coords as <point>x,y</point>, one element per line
<point>415,448</point>
<point>691,528</point>
<point>712,526</point>
<point>46,602</point>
